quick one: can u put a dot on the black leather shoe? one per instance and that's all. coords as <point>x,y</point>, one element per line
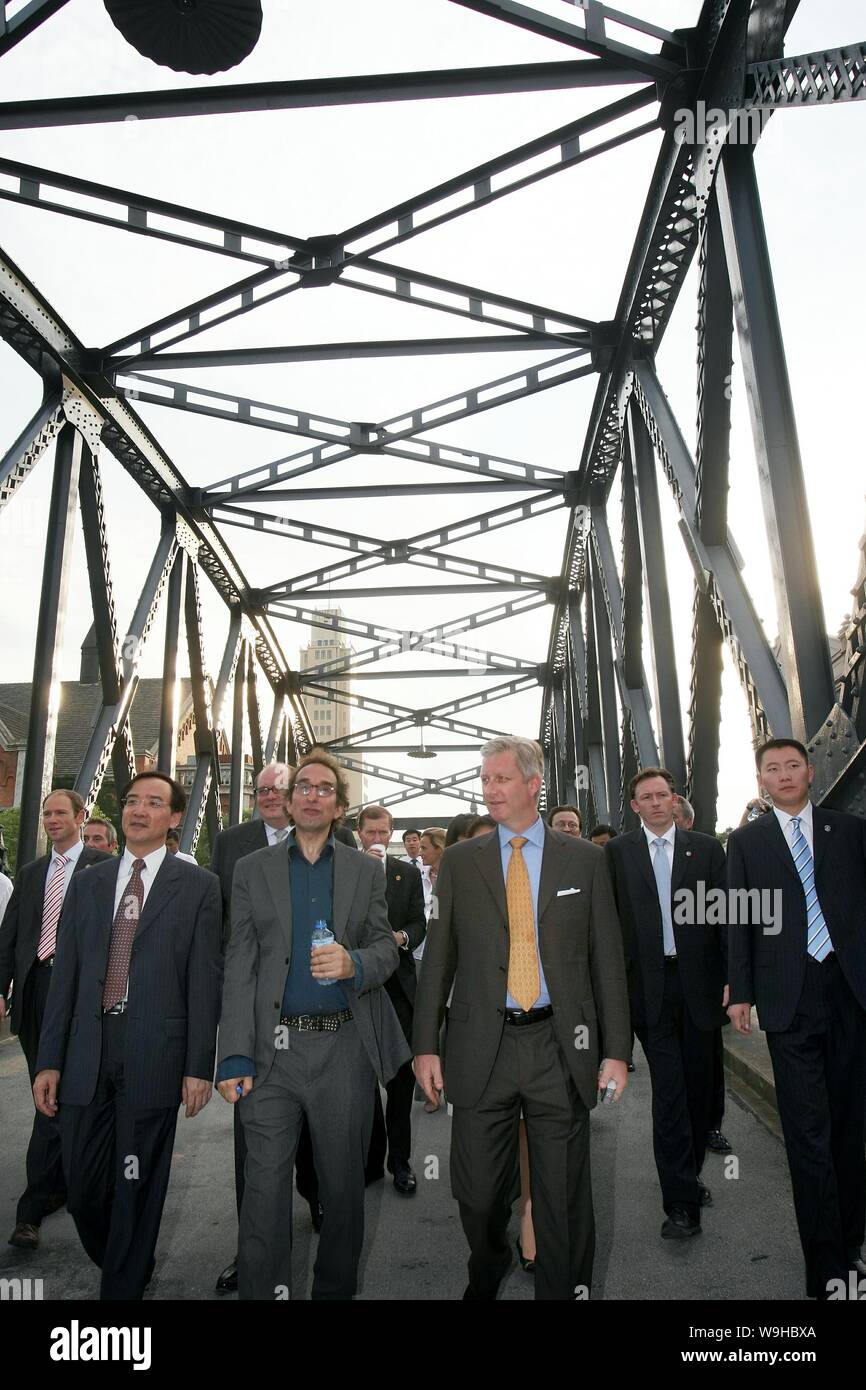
<point>405,1181</point>
<point>856,1262</point>
<point>228,1280</point>
<point>717,1142</point>
<point>317,1211</point>
<point>705,1196</point>
<point>527,1265</point>
<point>678,1225</point>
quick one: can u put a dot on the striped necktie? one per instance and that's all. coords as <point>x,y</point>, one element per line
<point>54,890</point>
<point>818,942</point>
<point>123,931</point>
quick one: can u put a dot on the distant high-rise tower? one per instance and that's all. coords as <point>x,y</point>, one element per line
<point>331,721</point>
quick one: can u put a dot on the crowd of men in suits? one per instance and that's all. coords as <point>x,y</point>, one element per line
<point>286,977</point>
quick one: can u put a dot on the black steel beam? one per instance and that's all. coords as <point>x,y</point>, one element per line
<point>805,653</point>
<point>715,363</point>
<point>236,785</point>
<point>705,709</point>
<point>334,352</point>
<point>809,79</point>
<point>166,758</point>
<point>419,213</point>
<point>717,568</point>
<point>42,724</point>
<point>18,26</point>
<point>592,35</point>
<point>110,740</point>
<point>28,448</point>
<point>366,88</point>
<point>104,627</point>
<point>431,673</point>
<point>661,632</point>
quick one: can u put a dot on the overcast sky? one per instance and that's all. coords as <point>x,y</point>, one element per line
<point>563,243</point>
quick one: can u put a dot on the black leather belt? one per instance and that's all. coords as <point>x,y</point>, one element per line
<point>119,1008</point>
<point>518,1018</point>
<point>316,1023</point>
<point>49,961</point>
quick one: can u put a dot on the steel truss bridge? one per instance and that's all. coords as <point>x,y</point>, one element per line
<point>702,201</point>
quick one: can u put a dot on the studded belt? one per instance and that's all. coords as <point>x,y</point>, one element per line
<point>316,1023</point>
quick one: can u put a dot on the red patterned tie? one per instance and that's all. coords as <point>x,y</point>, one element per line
<point>52,908</point>
<point>122,936</point>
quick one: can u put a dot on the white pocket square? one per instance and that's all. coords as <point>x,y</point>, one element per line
<point>564,892</point>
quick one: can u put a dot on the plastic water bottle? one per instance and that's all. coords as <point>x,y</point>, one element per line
<point>322,936</point>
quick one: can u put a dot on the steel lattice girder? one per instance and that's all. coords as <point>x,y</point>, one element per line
<point>679,213</point>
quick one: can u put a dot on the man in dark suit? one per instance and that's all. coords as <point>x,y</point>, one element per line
<point>684,815</point>
<point>305,1030</point>
<point>675,964</point>
<point>28,941</point>
<point>130,1031</point>
<point>804,967</point>
<point>524,927</point>
<point>404,893</point>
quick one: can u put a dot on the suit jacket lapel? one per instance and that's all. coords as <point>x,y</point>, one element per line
<point>277,870</point>
<point>820,837</point>
<point>552,861</point>
<point>775,839</point>
<point>640,851</point>
<point>347,871</point>
<point>682,842</point>
<point>161,891</point>
<point>490,865</point>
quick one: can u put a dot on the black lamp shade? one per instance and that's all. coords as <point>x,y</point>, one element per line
<point>200,36</point>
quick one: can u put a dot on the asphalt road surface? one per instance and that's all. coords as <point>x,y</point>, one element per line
<point>415,1247</point>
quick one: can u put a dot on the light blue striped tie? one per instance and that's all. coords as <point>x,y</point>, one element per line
<point>662,871</point>
<point>818,942</point>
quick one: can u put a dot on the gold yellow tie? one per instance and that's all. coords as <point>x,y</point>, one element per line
<point>524,985</point>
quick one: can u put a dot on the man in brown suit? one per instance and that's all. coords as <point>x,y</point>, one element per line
<point>525,928</point>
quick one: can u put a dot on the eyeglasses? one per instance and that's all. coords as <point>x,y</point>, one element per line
<point>153,803</point>
<point>319,789</point>
<point>269,791</point>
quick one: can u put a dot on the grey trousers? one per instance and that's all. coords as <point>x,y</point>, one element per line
<point>530,1072</point>
<point>329,1078</point>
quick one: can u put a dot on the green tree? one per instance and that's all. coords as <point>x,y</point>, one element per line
<point>9,822</point>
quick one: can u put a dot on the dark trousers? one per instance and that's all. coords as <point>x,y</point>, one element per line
<point>680,1058</point>
<point>118,1160</point>
<point>44,1158</point>
<point>393,1130</point>
<point>819,1064</point>
<point>718,1114</point>
<point>529,1074</point>
<point>327,1077</point>
<point>305,1172</point>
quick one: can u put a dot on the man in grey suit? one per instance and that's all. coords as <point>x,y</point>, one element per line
<point>305,1030</point>
<point>525,928</point>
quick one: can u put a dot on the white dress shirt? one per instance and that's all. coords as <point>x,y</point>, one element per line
<point>71,856</point>
<point>806,829</point>
<point>668,837</point>
<point>276,837</point>
<point>5,893</point>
